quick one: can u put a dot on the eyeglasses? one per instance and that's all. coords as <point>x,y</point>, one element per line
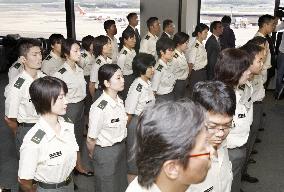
<point>216,128</point>
<point>199,155</point>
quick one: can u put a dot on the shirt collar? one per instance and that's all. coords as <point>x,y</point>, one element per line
<point>217,38</point>
<point>140,80</point>
<point>111,101</point>
<point>29,77</point>
<point>55,56</point>
<point>162,63</point>
<point>151,35</point>
<point>77,69</point>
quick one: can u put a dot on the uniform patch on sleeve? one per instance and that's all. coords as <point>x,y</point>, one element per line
<point>159,68</point>
<point>124,52</point>
<point>67,119</point>
<point>147,37</point>
<point>17,65</point>
<point>19,83</point>
<point>139,87</point>
<point>98,61</point>
<point>38,136</point>
<point>176,55</point>
<point>63,70</point>
<point>48,57</point>
<point>102,104</point>
<point>196,45</point>
<point>114,120</point>
<point>84,55</point>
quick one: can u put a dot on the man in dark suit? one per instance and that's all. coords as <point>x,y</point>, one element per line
<point>227,39</point>
<point>213,47</point>
<point>133,22</point>
<point>168,29</point>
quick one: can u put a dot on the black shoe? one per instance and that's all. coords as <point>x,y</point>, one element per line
<point>251,161</point>
<point>261,129</point>
<point>248,178</point>
<point>88,174</point>
<point>257,140</point>
<point>264,114</point>
<point>254,152</point>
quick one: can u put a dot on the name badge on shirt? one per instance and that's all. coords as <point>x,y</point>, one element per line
<point>55,154</point>
<point>114,120</point>
<point>208,190</point>
<point>241,115</point>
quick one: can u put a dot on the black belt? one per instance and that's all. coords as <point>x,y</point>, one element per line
<point>26,124</point>
<point>55,185</point>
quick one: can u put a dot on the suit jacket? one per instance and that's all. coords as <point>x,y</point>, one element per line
<point>227,39</point>
<point>164,35</point>
<point>213,49</point>
<point>137,36</point>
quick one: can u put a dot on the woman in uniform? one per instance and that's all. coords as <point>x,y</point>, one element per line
<point>140,94</point>
<point>197,56</point>
<point>49,150</point>
<point>125,58</point>
<point>179,64</point>
<point>107,132</point>
<point>73,76</point>
<point>102,52</point>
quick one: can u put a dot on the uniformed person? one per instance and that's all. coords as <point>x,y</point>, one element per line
<point>102,51</point>
<point>111,31</point>
<point>16,68</point>
<point>179,64</point>
<point>20,114</point>
<point>133,22</point>
<point>126,55</point>
<point>107,133</point>
<point>163,81</point>
<point>232,68</point>
<point>219,100</point>
<point>168,29</point>
<point>139,96</point>
<point>53,61</point>
<point>49,150</point>
<point>148,42</point>
<point>73,76</point>
<point>197,56</point>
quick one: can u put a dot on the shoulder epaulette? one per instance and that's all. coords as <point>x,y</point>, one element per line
<point>17,65</point>
<point>38,136</point>
<point>147,37</point>
<point>62,70</point>
<point>159,68</point>
<point>19,83</point>
<point>176,55</point>
<point>196,45</point>
<point>48,57</point>
<point>98,61</point>
<point>67,119</point>
<point>124,52</point>
<point>139,87</point>
<point>102,104</point>
<point>84,55</point>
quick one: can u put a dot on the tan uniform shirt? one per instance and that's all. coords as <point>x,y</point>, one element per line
<point>148,45</point>
<point>140,95</point>
<point>125,60</point>
<point>15,70</point>
<point>46,156</point>
<point>51,64</point>
<point>107,121</point>
<point>100,61</point>
<point>135,187</point>
<point>75,82</point>
<point>18,102</point>
<point>179,66</point>
<point>258,88</point>
<point>115,52</point>
<point>164,80</point>
<point>86,62</point>
<point>197,55</point>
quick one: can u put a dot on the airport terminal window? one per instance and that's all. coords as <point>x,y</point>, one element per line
<point>32,18</point>
<point>91,14</point>
<point>244,15</point>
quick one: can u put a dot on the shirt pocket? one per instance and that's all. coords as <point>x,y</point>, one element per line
<point>55,158</point>
<point>114,123</point>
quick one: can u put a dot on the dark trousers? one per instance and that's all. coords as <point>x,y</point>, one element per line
<point>280,72</point>
<point>166,97</point>
<point>88,99</point>
<point>179,89</point>
<point>196,76</point>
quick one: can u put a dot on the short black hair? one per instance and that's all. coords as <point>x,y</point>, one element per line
<point>199,28</point>
<point>215,96</point>
<point>105,73</point>
<point>167,23</point>
<point>27,43</point>
<point>66,46</point>
<point>214,25</point>
<point>164,44</point>
<point>99,42</point>
<point>44,92</point>
<point>264,19</point>
<point>126,34</point>
<point>141,62</point>
<point>55,38</point>
<point>87,41</point>
<point>258,40</point>
<point>226,19</point>
<point>159,137</point>
<point>151,21</point>
<point>108,24</point>
<point>252,49</point>
<point>130,15</point>
<point>180,38</point>
<point>231,65</point>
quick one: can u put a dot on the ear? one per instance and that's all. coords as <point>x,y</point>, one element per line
<point>171,169</point>
<point>22,59</point>
<point>106,83</point>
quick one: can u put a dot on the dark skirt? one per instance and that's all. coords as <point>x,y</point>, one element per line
<point>166,97</point>
<point>179,89</point>
<point>196,76</point>
<point>88,99</point>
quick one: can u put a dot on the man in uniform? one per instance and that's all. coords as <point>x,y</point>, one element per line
<point>20,114</point>
<point>133,22</point>
<point>16,68</point>
<point>111,31</point>
<point>168,29</point>
<point>148,43</point>
<point>53,61</point>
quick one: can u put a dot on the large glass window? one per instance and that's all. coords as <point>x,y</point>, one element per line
<point>32,18</point>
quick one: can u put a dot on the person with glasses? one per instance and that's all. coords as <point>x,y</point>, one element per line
<point>219,101</point>
<point>171,151</point>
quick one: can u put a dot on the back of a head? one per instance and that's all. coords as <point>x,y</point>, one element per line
<point>87,41</point>
<point>264,19</point>
<point>166,131</point>
<point>167,23</point>
<point>151,21</point>
<point>141,62</point>
<point>226,19</point>
<point>258,40</point>
<point>215,96</point>
<point>230,66</point>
